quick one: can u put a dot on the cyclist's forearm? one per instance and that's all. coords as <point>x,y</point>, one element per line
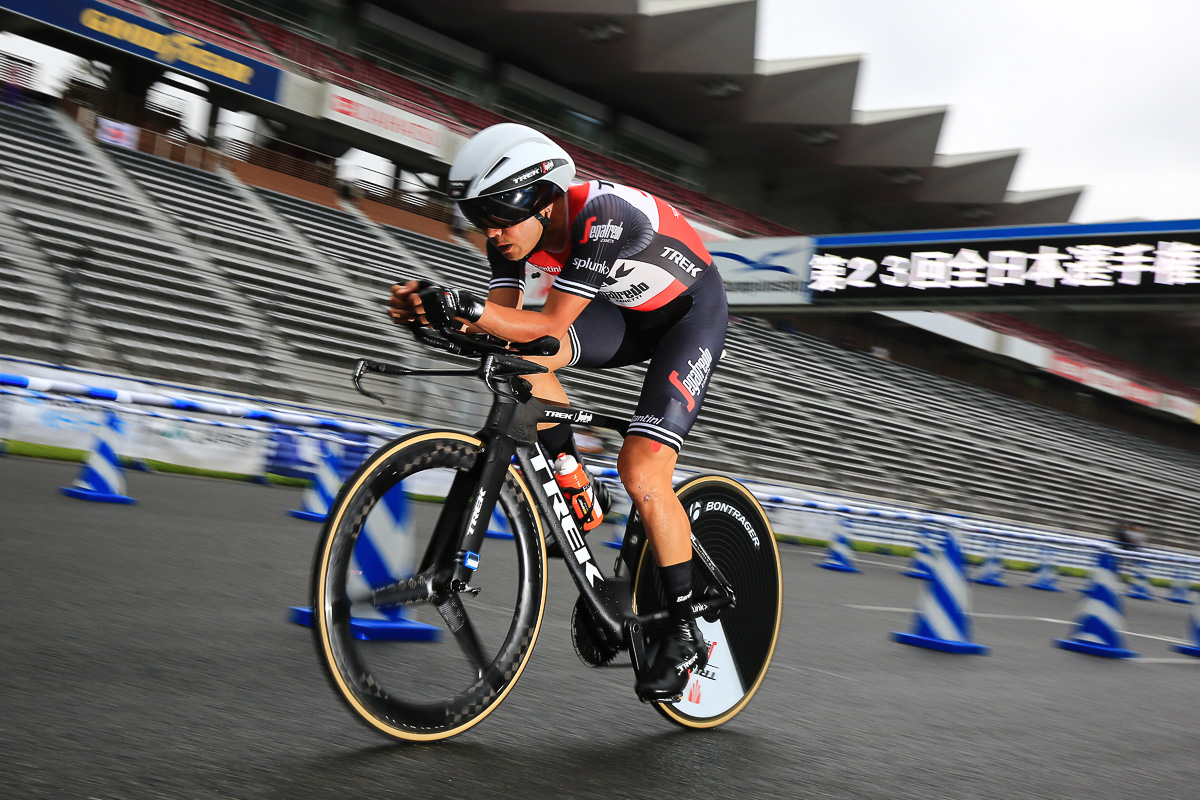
<point>520,325</point>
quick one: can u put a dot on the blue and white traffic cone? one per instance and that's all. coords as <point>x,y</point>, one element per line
<point>318,497</point>
<point>919,566</point>
<point>498,527</point>
<point>1100,617</point>
<point>991,572</point>
<point>1046,577</point>
<point>1139,584</point>
<point>840,556</point>
<point>1181,589</point>
<point>101,479</point>
<point>942,621</point>
<point>1192,649</point>
<point>383,554</point>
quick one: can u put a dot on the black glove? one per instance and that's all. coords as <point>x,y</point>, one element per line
<point>444,305</point>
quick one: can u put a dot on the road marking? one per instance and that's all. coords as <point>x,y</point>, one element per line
<point>1051,620</point>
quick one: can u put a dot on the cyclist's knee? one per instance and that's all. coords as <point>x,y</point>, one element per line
<point>647,469</point>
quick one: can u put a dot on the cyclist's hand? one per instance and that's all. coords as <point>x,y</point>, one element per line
<point>444,307</point>
<point>405,306</point>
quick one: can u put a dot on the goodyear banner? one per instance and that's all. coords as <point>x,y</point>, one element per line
<point>142,37</point>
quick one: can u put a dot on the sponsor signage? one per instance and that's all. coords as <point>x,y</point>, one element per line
<point>120,134</point>
<point>62,423</point>
<point>385,121</point>
<point>1121,386</point>
<point>1074,263</point>
<point>166,46</point>
<point>764,273</point>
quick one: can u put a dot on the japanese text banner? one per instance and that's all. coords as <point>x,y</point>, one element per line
<point>1079,263</point>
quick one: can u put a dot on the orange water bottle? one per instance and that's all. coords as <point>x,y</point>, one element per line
<point>577,489</point>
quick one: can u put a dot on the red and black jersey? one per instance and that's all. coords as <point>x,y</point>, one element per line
<point>626,246</point>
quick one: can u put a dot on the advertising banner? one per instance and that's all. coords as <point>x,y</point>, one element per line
<point>116,133</point>
<point>1062,263</point>
<point>764,274</point>
<point>142,37</point>
<point>386,121</point>
<point>61,423</point>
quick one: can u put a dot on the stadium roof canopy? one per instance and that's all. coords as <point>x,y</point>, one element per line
<point>785,139</point>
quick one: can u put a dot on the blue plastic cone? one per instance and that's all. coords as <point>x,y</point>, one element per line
<point>326,480</point>
<point>382,555</point>
<point>919,566</point>
<point>1192,649</point>
<point>840,556</point>
<point>1100,617</point>
<point>1181,590</point>
<point>498,526</point>
<point>101,478</point>
<point>991,572</point>
<point>942,621</point>
<point>1139,584</point>
<point>1046,577</point>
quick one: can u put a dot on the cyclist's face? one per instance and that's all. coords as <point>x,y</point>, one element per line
<point>516,241</point>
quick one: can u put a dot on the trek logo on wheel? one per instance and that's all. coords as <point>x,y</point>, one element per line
<point>566,518</point>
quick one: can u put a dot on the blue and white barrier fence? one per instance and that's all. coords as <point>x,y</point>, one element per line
<point>884,525</point>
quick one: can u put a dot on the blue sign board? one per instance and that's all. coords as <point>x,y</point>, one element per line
<point>158,43</point>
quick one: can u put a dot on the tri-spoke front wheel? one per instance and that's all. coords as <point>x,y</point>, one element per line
<point>411,657</point>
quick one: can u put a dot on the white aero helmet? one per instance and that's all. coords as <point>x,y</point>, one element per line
<point>507,173</point>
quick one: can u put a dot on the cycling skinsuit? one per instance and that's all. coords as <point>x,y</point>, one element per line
<point>656,295</point>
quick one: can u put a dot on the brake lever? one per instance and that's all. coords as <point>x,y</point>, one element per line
<point>360,369</point>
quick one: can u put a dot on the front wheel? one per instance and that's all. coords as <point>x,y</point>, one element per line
<point>433,665</point>
<point>733,530</point>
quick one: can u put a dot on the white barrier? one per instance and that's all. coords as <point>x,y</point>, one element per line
<point>894,524</point>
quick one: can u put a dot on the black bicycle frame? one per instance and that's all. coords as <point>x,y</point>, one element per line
<point>509,431</point>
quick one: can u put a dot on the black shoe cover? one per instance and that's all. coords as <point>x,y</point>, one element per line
<point>603,498</point>
<point>682,650</point>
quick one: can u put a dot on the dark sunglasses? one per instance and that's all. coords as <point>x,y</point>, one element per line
<point>506,209</point>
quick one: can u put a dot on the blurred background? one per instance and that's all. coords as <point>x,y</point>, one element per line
<point>961,243</point>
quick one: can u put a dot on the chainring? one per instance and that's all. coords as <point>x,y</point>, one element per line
<point>588,646</point>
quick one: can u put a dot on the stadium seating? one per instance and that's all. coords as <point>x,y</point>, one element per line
<point>225,27</point>
<point>313,311</point>
<point>278,295</point>
<point>79,227</point>
<point>1007,323</point>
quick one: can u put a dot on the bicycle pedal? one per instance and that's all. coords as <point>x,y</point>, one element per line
<point>667,700</point>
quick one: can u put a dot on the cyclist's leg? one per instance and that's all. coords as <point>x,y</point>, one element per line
<point>594,339</point>
<point>677,379</point>
<point>676,383</point>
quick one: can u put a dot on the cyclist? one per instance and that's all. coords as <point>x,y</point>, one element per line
<point>632,282</point>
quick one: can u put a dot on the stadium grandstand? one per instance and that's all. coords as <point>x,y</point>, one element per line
<point>236,255</point>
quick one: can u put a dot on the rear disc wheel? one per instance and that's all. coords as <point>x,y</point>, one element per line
<point>733,530</point>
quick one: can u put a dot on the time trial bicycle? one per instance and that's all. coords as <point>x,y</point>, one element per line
<point>424,629</point>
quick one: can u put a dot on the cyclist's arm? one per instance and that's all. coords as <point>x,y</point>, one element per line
<point>521,325</point>
<point>504,298</point>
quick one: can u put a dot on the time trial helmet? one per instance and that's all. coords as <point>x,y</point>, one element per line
<point>507,173</point>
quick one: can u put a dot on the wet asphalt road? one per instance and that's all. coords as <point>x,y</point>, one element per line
<point>145,654</point>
